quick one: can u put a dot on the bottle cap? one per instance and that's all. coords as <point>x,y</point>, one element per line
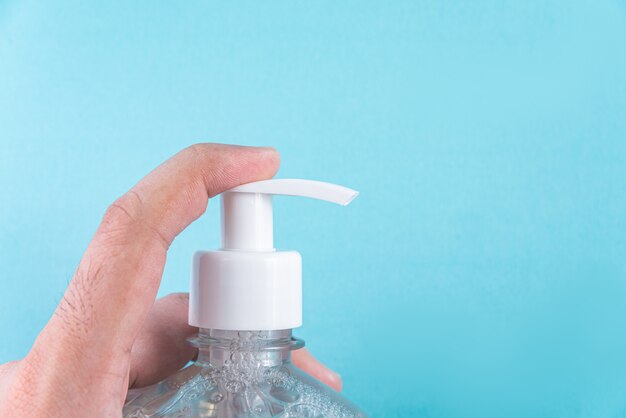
<point>247,285</point>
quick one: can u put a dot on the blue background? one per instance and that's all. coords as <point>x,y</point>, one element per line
<point>482,270</point>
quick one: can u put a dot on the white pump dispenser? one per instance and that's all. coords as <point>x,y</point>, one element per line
<point>247,284</point>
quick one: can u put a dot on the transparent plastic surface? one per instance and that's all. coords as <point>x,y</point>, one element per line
<point>240,374</point>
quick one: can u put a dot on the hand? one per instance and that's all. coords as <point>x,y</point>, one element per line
<point>108,334</point>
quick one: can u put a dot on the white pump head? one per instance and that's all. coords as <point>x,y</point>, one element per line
<point>248,285</point>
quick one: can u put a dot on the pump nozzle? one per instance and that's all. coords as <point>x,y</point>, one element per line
<point>247,285</point>
<point>298,187</point>
<point>247,223</point>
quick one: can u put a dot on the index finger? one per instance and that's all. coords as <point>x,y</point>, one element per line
<point>117,279</point>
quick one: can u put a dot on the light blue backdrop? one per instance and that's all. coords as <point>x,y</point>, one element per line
<point>482,270</point>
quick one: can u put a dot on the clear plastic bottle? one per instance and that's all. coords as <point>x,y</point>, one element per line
<point>247,285</point>
<point>240,374</point>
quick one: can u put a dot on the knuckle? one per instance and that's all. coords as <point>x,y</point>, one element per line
<point>196,149</point>
<point>120,221</point>
<point>125,221</point>
<point>124,210</point>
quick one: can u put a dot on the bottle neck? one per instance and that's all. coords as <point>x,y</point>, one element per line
<point>221,348</point>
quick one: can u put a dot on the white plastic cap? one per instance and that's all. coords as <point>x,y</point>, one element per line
<point>247,285</point>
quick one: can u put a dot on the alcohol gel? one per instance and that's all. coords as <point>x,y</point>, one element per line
<point>245,298</point>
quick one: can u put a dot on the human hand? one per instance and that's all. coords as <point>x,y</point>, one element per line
<point>108,334</point>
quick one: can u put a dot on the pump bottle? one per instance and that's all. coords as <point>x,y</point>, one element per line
<point>246,298</point>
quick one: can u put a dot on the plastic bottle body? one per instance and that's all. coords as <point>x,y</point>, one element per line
<point>240,374</point>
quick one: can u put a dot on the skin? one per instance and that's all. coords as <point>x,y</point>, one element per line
<point>108,333</point>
